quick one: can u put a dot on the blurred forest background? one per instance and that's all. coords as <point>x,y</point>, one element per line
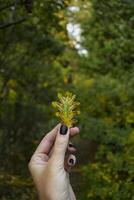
<point>83,46</point>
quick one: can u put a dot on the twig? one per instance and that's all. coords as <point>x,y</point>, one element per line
<point>12,23</point>
<point>6,6</point>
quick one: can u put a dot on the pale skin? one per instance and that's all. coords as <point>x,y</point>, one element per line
<point>49,165</point>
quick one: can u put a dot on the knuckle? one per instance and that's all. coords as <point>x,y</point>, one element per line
<point>61,140</point>
<point>59,143</point>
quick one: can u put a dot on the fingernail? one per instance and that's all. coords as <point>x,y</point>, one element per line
<point>71,161</point>
<point>71,145</point>
<point>63,129</point>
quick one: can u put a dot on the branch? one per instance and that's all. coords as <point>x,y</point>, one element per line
<point>12,23</point>
<point>6,6</point>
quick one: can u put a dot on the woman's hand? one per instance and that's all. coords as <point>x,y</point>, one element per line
<point>49,166</point>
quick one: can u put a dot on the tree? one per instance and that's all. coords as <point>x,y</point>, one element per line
<point>105,83</point>
<point>31,73</point>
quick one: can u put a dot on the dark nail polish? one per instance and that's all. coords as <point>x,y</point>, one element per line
<point>71,161</point>
<point>63,129</point>
<point>71,145</point>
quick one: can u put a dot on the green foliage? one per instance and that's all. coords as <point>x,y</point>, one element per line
<point>38,60</point>
<point>31,74</point>
<point>30,68</point>
<point>108,35</point>
<point>108,121</point>
<point>106,87</point>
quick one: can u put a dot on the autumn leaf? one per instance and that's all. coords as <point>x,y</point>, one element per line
<point>66,108</point>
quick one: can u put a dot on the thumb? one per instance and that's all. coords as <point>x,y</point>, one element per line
<point>61,144</point>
